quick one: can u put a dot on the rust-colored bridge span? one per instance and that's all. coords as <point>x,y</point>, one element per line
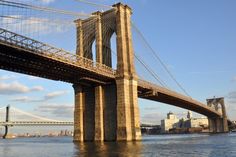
<point>106,106</point>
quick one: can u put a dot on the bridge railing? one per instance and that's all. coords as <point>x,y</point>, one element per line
<point>39,48</point>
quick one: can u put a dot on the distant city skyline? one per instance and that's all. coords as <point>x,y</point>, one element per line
<point>196,39</point>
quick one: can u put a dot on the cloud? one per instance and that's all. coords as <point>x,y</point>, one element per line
<point>13,88</point>
<point>6,77</point>
<point>152,118</point>
<point>31,25</point>
<point>37,88</point>
<point>56,109</point>
<point>16,88</point>
<point>55,94</point>
<point>33,78</point>
<point>25,99</point>
<point>21,99</point>
<point>151,108</point>
<point>45,98</point>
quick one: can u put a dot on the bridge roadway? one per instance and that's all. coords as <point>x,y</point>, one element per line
<point>24,55</point>
<point>36,123</point>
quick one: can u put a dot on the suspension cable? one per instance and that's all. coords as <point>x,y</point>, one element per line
<point>31,115</point>
<point>46,9</point>
<point>150,70</point>
<point>94,4</point>
<point>39,19</point>
<point>145,66</point>
<point>159,59</point>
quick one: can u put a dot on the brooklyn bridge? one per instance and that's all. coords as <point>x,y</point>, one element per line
<point>106,99</point>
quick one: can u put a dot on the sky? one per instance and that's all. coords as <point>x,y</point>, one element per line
<point>195,39</point>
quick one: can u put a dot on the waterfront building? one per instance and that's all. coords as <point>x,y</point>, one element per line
<point>173,123</point>
<point>197,122</point>
<point>170,122</point>
<point>191,122</point>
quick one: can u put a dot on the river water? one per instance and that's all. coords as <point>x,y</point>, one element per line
<point>190,145</point>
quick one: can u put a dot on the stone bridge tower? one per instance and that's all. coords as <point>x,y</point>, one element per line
<point>218,124</point>
<point>107,111</point>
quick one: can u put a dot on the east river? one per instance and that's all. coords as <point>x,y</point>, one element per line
<point>190,145</point>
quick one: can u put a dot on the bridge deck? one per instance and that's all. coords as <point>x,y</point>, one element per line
<point>24,55</point>
<point>28,56</point>
<point>156,93</point>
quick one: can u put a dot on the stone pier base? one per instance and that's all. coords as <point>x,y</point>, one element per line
<point>218,125</point>
<point>106,113</point>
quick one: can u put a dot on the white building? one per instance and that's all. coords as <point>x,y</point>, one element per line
<point>195,122</point>
<point>171,122</point>
<point>198,122</point>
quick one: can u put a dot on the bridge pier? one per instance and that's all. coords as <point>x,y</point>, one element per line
<point>99,108</point>
<point>79,113</point>
<point>218,124</point>
<point>7,120</point>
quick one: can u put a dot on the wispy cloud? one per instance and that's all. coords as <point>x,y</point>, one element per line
<point>58,110</point>
<point>21,99</point>
<point>7,77</point>
<point>16,88</point>
<point>55,94</point>
<point>31,25</point>
<point>152,118</point>
<point>13,88</point>
<point>48,96</point>
<point>152,108</point>
<point>37,88</point>
<point>33,78</point>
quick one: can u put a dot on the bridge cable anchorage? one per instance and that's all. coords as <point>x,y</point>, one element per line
<point>94,4</point>
<point>158,58</point>
<point>46,9</point>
